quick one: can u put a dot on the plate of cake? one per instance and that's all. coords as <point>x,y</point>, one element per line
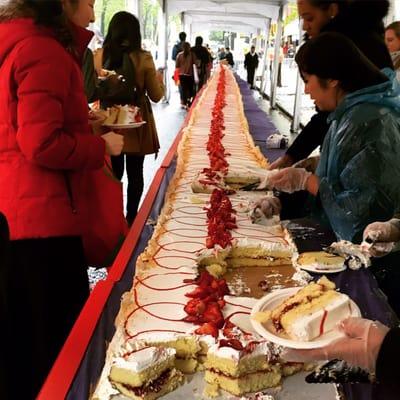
<point>321,262</point>
<point>123,117</point>
<point>303,318</point>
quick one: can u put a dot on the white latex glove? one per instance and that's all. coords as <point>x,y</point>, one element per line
<point>359,347</point>
<point>281,162</point>
<point>257,172</point>
<point>114,143</point>
<point>310,164</point>
<point>289,180</point>
<point>383,235</point>
<point>269,206</point>
<point>262,174</point>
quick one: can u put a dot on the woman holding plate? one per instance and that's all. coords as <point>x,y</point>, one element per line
<point>122,51</point>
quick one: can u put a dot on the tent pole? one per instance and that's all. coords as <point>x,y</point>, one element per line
<point>278,40</point>
<point>299,91</point>
<point>265,60</point>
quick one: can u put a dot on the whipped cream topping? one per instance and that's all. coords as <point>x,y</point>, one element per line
<point>141,359</point>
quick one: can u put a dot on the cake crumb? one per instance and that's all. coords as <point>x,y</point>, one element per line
<point>302,277</point>
<point>211,390</point>
<point>197,200</point>
<point>216,270</point>
<point>237,286</point>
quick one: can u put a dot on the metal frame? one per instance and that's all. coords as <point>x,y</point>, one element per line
<point>295,125</point>
<point>275,70</point>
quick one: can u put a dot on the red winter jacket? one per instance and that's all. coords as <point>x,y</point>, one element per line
<point>46,146</point>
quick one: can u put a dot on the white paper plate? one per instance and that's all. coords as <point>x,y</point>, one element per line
<point>313,268</point>
<point>126,126</point>
<point>267,330</point>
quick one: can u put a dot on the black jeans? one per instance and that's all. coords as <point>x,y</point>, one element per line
<point>43,287</point>
<point>250,76</point>
<point>187,84</point>
<point>134,170</point>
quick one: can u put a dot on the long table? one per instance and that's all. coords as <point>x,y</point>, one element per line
<point>79,364</point>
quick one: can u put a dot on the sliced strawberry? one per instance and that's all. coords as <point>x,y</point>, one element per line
<point>197,293</point>
<point>213,314</point>
<point>193,320</point>
<point>212,298</point>
<point>195,307</point>
<point>233,343</point>
<point>228,329</point>
<point>221,303</point>
<point>205,279</point>
<point>209,243</point>
<point>207,329</point>
<point>230,225</point>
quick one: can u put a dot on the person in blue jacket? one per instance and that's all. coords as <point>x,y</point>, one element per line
<point>357,180</point>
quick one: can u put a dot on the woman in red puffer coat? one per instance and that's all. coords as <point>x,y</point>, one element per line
<point>46,150</point>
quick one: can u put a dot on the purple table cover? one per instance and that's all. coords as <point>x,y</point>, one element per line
<point>260,124</point>
<point>360,285</point>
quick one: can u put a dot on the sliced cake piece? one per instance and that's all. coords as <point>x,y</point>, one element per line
<point>146,373</point>
<point>320,260</point>
<point>240,363</point>
<point>312,311</point>
<point>187,347</point>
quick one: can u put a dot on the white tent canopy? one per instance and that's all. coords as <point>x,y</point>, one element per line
<point>233,15</point>
<point>262,8</point>
<point>243,16</point>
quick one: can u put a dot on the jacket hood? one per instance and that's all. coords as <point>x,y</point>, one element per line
<point>15,30</point>
<point>386,95</point>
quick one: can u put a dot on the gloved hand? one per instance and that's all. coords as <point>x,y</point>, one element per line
<point>289,179</point>
<point>262,174</point>
<point>269,206</point>
<point>359,347</point>
<point>310,164</point>
<point>383,235</point>
<point>257,172</point>
<point>281,162</point>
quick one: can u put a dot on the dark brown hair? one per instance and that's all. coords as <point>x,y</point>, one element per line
<point>333,56</point>
<point>186,49</point>
<point>48,13</point>
<point>123,36</point>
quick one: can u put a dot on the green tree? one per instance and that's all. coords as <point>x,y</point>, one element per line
<point>149,19</point>
<point>104,10</point>
<point>217,36</point>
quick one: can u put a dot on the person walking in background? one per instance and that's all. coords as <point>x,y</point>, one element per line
<point>251,64</point>
<point>392,40</point>
<point>185,63</point>
<point>203,59</point>
<point>47,152</point>
<point>221,54</point>
<point>122,51</point>
<point>229,57</point>
<point>178,47</point>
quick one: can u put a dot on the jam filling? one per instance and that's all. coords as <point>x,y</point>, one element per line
<point>152,387</point>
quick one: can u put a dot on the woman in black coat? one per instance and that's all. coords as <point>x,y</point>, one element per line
<point>359,20</point>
